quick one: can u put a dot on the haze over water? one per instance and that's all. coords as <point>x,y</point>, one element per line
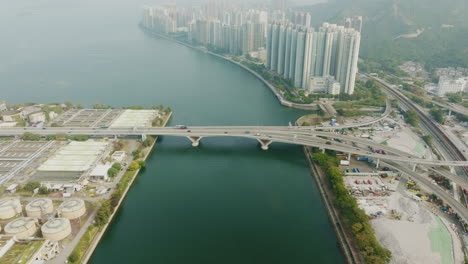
<point>224,202</point>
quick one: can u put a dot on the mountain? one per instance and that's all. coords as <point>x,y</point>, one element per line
<point>434,32</point>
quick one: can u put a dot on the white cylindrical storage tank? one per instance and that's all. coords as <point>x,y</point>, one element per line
<point>72,208</point>
<point>22,227</point>
<point>9,207</point>
<point>56,229</point>
<point>39,207</point>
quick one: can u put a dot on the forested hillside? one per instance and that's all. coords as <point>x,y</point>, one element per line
<point>389,29</point>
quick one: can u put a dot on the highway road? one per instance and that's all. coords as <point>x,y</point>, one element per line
<point>452,107</point>
<point>265,135</point>
<point>442,194</point>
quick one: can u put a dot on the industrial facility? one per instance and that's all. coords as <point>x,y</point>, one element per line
<point>39,207</point>
<point>72,208</point>
<point>10,207</point>
<point>135,118</point>
<point>71,161</point>
<point>22,227</point>
<point>56,229</point>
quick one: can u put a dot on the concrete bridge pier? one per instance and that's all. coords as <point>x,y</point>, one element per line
<point>195,141</point>
<point>414,166</point>
<point>143,137</point>
<point>450,113</point>
<point>265,143</point>
<point>349,156</point>
<point>377,163</point>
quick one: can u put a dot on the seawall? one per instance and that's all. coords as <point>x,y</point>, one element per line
<point>97,238</point>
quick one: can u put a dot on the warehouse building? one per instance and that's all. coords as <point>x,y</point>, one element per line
<point>72,161</point>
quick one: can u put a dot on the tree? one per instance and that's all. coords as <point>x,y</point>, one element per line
<point>134,166</point>
<point>74,256</point>
<point>50,137</point>
<point>117,166</point>
<point>438,115</point>
<point>43,190</point>
<point>142,164</point>
<point>69,104</point>
<point>111,172</point>
<point>136,154</point>
<point>30,137</point>
<point>31,186</point>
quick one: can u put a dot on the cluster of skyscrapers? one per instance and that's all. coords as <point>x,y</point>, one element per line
<point>322,61</point>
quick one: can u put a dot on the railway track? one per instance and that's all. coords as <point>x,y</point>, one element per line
<point>449,145</point>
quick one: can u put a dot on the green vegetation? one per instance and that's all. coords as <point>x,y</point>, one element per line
<point>21,252</point>
<point>411,118</point>
<point>83,245</point>
<point>136,154</point>
<point>117,166</point>
<point>30,137</point>
<point>111,172</point>
<point>148,141</point>
<point>78,137</point>
<point>31,186</point>
<point>438,114</point>
<point>134,166</point>
<point>43,190</point>
<point>352,217</point>
<point>455,97</point>
<point>442,43</point>
<point>99,105</point>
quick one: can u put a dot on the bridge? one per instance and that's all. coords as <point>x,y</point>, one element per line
<point>265,135</point>
<point>452,108</point>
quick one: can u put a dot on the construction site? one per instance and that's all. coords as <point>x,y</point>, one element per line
<point>406,219</point>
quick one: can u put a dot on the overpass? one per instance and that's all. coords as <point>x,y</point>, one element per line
<point>265,135</point>
<point>452,108</point>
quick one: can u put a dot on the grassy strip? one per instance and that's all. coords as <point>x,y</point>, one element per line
<point>82,246</point>
<point>353,218</point>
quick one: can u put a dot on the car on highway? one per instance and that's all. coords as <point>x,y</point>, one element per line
<point>247,132</point>
<point>257,134</point>
<point>181,127</point>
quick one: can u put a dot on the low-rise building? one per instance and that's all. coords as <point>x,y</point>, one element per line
<point>27,110</point>
<point>325,84</point>
<point>37,117</point>
<point>10,116</point>
<point>452,85</point>
<point>118,156</point>
<point>99,172</point>
<point>3,106</point>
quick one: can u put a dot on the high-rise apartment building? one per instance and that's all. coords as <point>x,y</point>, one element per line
<point>353,22</point>
<point>300,53</point>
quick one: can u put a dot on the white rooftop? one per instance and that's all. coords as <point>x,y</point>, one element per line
<point>75,156</point>
<point>100,170</point>
<point>135,118</point>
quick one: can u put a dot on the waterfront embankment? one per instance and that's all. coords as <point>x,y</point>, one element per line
<point>278,95</point>
<point>349,252</point>
<point>97,238</point>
